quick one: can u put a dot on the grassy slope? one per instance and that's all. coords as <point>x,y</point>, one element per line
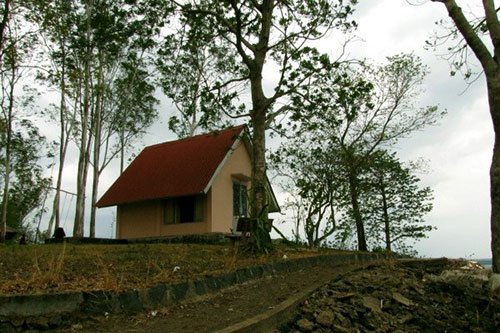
<point>69,267</point>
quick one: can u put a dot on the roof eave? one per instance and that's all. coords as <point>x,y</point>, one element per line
<point>230,151</point>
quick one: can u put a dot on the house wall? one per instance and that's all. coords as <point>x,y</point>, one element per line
<point>222,188</point>
<point>139,219</point>
<point>145,219</point>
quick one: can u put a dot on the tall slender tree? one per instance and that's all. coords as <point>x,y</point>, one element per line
<point>85,142</point>
<point>57,21</point>
<point>393,202</point>
<point>472,32</point>
<point>17,42</point>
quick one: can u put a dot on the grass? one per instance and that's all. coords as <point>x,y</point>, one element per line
<point>57,268</point>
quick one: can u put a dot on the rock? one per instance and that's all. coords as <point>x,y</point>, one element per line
<point>405,319</point>
<point>76,327</point>
<point>401,299</point>
<point>371,303</point>
<point>307,309</point>
<point>325,318</point>
<point>340,329</point>
<point>343,296</point>
<point>305,325</point>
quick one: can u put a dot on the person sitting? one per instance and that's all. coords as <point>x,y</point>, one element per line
<point>22,240</point>
<point>59,234</point>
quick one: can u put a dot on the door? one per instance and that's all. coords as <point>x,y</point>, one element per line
<point>240,208</point>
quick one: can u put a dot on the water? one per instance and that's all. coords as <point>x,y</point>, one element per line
<point>485,262</point>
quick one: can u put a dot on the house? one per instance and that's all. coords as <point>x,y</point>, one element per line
<point>195,185</point>
<point>10,234</point>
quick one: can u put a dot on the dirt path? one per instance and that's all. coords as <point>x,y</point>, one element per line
<point>217,311</point>
<point>405,296</point>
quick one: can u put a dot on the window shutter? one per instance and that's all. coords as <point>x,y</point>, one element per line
<point>236,199</point>
<point>244,207</point>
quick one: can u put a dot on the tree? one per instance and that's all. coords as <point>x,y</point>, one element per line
<point>126,109</point>
<point>17,43</point>
<point>367,110</point>
<point>28,185</point>
<point>5,13</point>
<point>489,58</point>
<point>267,33</point>
<point>57,22</point>
<point>96,51</point>
<point>86,56</point>
<point>315,194</point>
<point>393,203</point>
<point>188,70</point>
<point>132,95</point>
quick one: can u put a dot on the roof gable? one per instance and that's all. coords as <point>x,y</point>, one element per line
<point>172,169</point>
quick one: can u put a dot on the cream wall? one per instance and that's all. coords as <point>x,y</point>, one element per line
<point>145,219</point>
<point>239,163</point>
<point>139,219</point>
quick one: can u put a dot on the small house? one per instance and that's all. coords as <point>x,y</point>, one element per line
<point>195,185</point>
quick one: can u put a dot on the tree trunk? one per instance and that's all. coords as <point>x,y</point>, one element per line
<point>385,213</point>
<point>259,168</point>
<point>63,146</point>
<point>260,106</point>
<point>360,227</point>
<point>3,25</point>
<point>490,65</point>
<point>84,140</point>
<point>97,126</point>
<point>261,239</point>
<point>494,104</point>
<point>5,202</point>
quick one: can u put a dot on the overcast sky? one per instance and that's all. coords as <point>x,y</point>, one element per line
<point>458,150</point>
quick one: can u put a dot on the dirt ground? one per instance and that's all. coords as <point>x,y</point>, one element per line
<point>413,296</point>
<point>56,268</point>
<point>217,311</point>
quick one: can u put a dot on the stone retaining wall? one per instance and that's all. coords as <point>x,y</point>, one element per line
<point>56,310</point>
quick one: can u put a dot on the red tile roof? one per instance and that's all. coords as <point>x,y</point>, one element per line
<point>172,169</point>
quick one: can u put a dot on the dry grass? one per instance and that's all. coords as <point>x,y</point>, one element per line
<point>69,267</point>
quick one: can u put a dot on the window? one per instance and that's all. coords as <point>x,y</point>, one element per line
<point>239,199</point>
<point>183,210</point>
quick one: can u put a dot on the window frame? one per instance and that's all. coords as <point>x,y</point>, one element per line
<point>172,212</point>
<point>240,198</point>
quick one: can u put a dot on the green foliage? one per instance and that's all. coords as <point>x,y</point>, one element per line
<point>267,33</point>
<point>193,71</point>
<point>313,186</point>
<point>131,100</point>
<point>28,184</point>
<point>393,202</point>
<point>352,114</point>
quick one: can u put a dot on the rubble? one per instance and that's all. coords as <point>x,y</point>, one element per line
<point>404,298</point>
